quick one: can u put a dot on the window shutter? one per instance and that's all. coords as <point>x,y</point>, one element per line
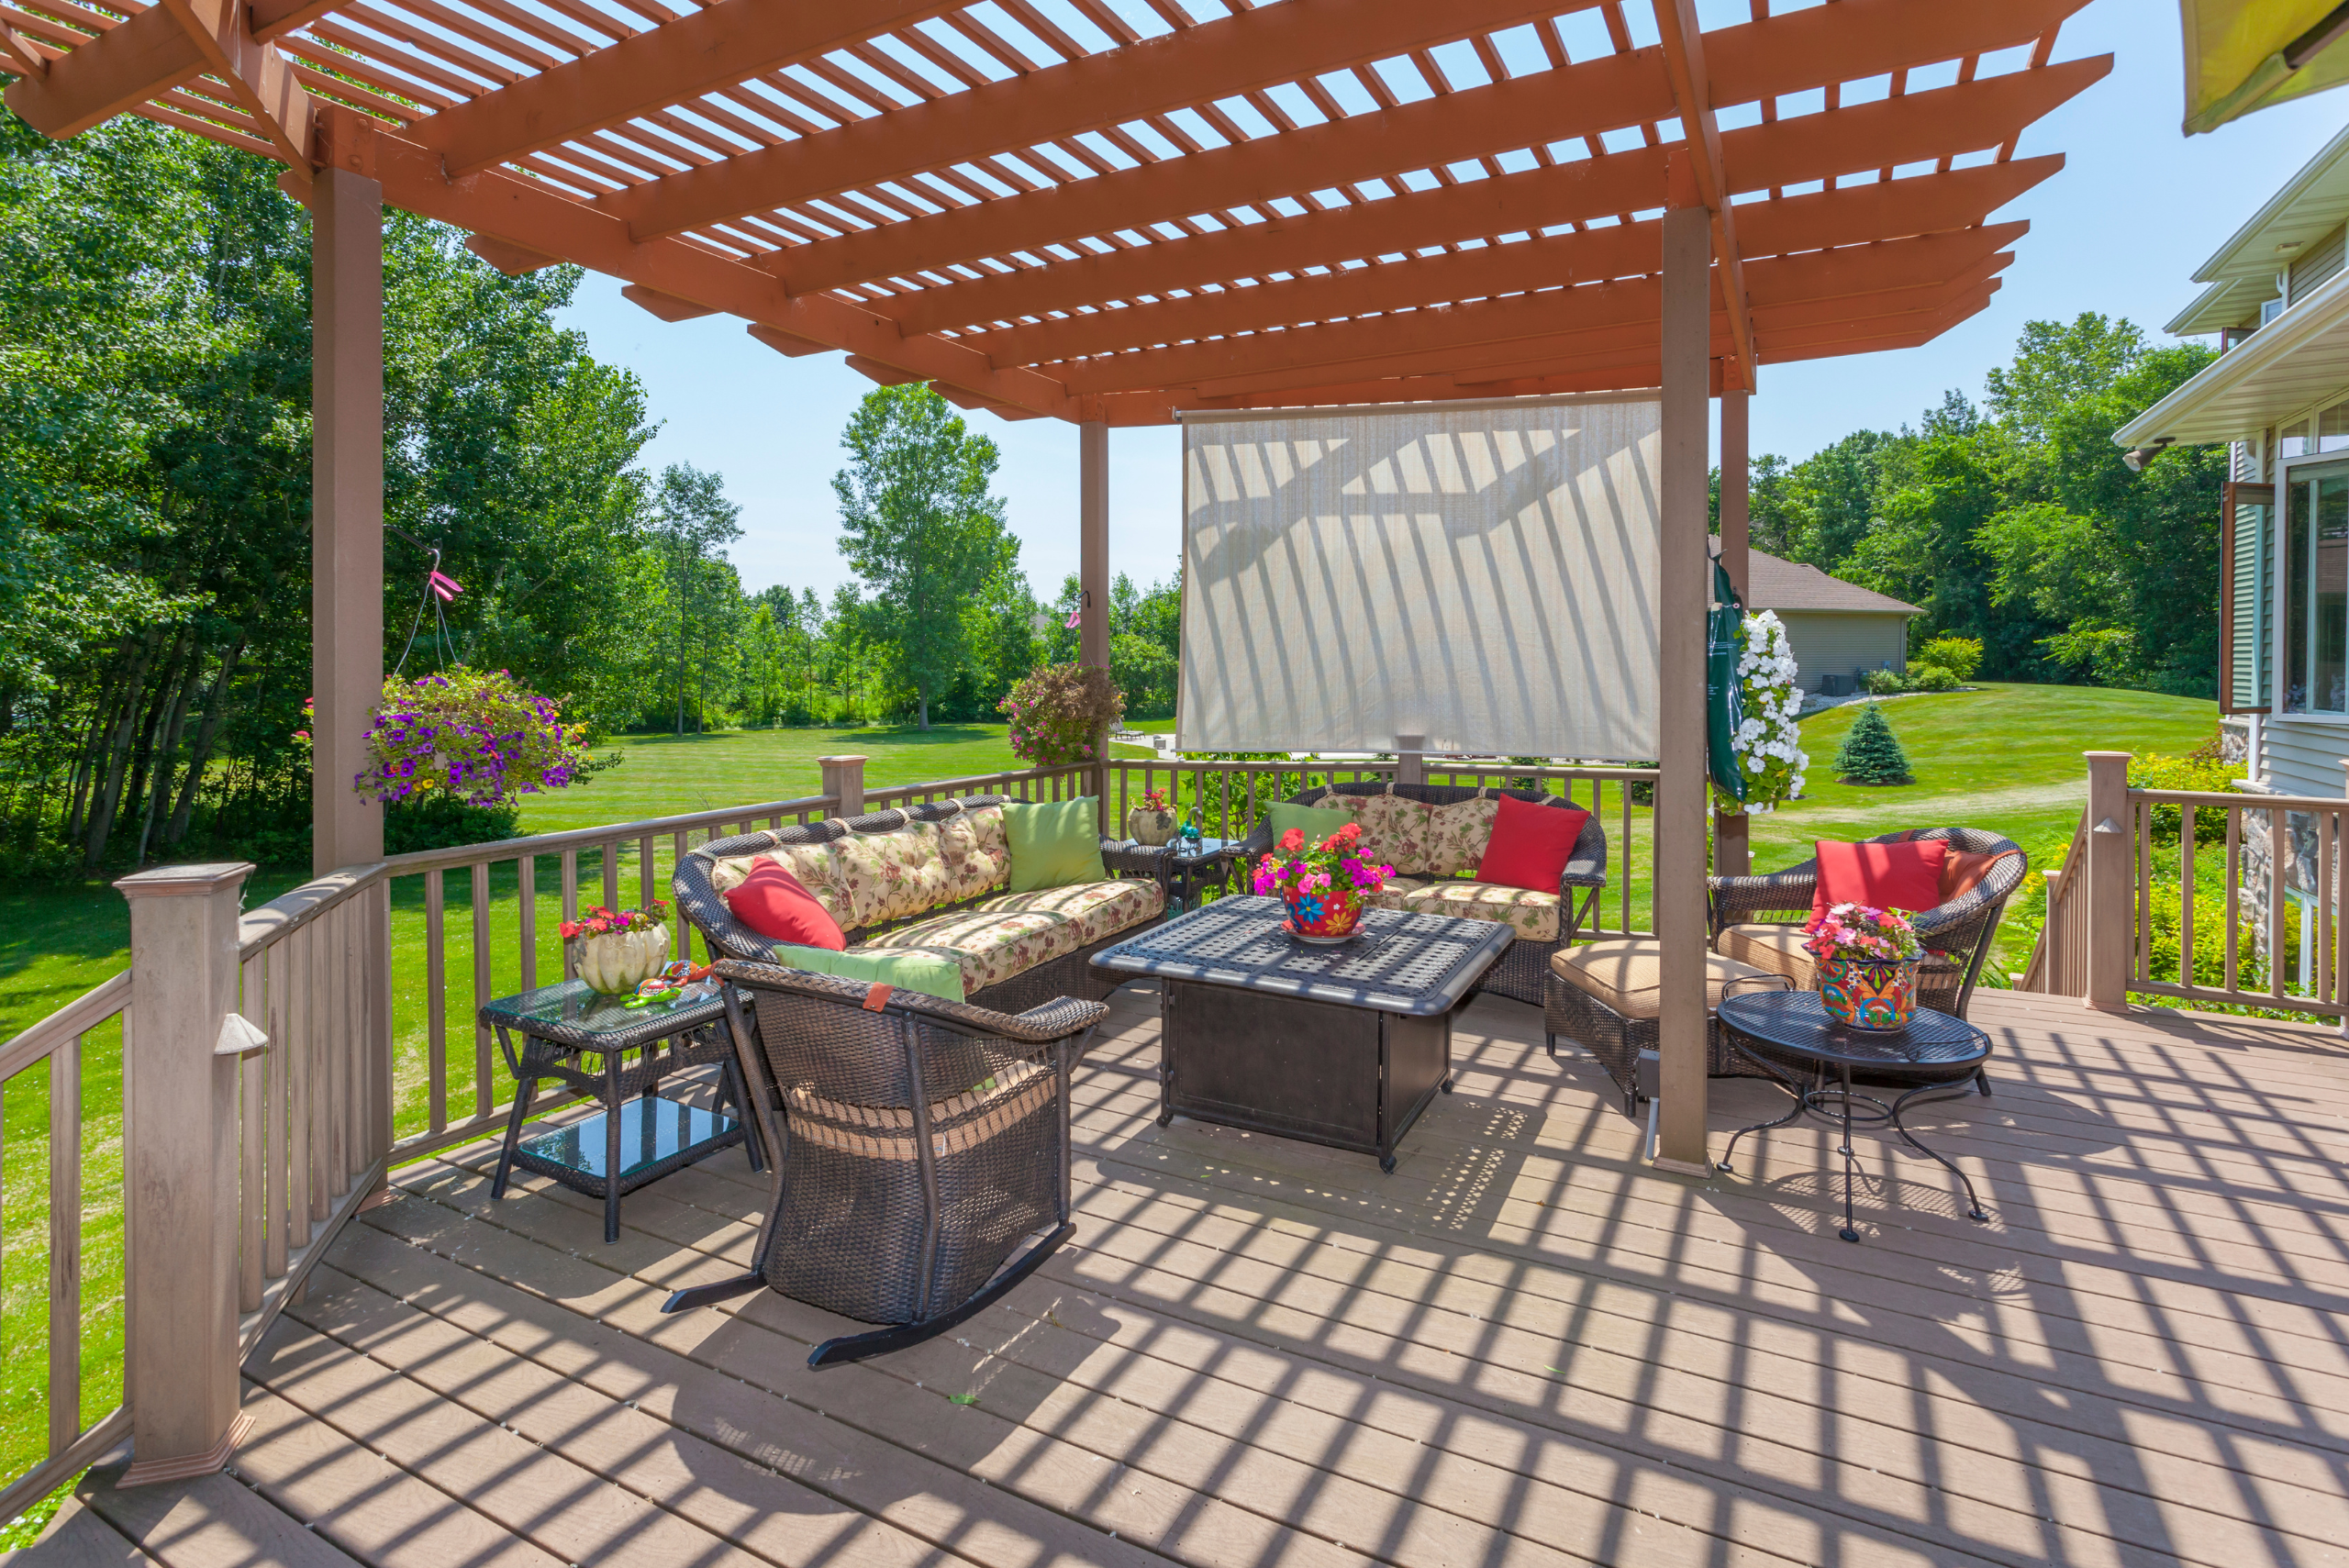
<point>2246,644</point>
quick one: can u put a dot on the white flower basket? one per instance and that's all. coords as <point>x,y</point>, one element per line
<point>616,962</point>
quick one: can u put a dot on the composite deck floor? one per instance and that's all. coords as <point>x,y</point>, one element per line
<point>1522,1347</point>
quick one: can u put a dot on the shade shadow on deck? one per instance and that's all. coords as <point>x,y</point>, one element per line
<point>1522,1347</point>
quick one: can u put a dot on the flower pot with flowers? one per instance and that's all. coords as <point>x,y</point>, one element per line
<point>1868,961</point>
<point>1324,885</point>
<point>616,951</point>
<point>1152,822</point>
<point>1059,714</point>
<point>474,736</point>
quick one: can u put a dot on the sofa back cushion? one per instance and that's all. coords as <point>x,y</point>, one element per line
<point>812,865</point>
<point>978,856</point>
<point>1458,835</point>
<point>1394,828</point>
<point>892,875</point>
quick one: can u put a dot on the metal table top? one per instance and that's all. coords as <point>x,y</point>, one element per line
<point>570,1014</point>
<point>1420,965</point>
<point>1798,1023</point>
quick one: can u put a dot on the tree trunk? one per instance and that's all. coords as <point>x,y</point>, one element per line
<point>208,730</point>
<point>119,745</point>
<point>147,764</point>
<point>169,751</point>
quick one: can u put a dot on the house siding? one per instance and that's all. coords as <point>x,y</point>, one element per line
<point>2302,756</point>
<point>1840,642</point>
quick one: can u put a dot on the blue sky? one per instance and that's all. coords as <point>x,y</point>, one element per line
<point>2119,231</point>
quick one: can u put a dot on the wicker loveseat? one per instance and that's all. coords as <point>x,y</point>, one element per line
<point>1759,920</point>
<point>932,877</point>
<point>1433,836</point>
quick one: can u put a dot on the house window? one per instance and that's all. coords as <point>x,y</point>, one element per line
<point>2316,593</point>
<point>2294,441</point>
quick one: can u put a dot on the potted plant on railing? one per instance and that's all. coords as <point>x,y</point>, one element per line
<point>1323,884</point>
<point>1153,822</point>
<point>475,735</point>
<point>617,950</point>
<point>1868,961</point>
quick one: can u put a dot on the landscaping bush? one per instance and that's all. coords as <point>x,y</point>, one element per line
<point>438,821</point>
<point>1871,754</point>
<point>1960,656</point>
<point>1884,682</point>
<point>2200,771</point>
<point>1056,712</point>
<point>1932,678</point>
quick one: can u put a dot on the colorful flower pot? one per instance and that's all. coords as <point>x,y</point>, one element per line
<point>1144,826</point>
<point>617,963</point>
<point>1323,916</point>
<point>1873,994</point>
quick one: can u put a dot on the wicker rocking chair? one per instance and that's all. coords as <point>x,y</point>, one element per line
<point>921,1142</point>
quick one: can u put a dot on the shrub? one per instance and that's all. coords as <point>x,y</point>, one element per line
<point>1884,682</point>
<point>1933,678</point>
<point>1960,656</point>
<point>436,822</point>
<point>1870,754</point>
<point>1056,713</point>
<point>2201,770</point>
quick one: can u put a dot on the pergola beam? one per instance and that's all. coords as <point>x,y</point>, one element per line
<point>259,78</point>
<point>143,57</point>
<point>1221,59</point>
<point>1684,61</point>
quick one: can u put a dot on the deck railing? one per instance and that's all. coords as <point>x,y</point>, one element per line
<point>360,989</point>
<point>2199,897</point>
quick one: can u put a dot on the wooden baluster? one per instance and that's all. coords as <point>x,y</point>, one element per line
<point>301,1029</point>
<point>2320,954</point>
<point>342,995</point>
<point>526,895</point>
<point>2141,957</point>
<point>2233,976</point>
<point>646,877</point>
<point>276,1063</point>
<point>1624,788</point>
<point>485,1087</point>
<point>2186,824</point>
<point>2279,850</point>
<point>685,927</point>
<point>436,1006</point>
<point>251,1118</point>
<point>570,907</point>
<point>65,1239</point>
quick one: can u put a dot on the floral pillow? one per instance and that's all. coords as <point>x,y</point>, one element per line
<point>811,864</point>
<point>1458,835</point>
<point>977,855</point>
<point>1395,831</point>
<point>888,876</point>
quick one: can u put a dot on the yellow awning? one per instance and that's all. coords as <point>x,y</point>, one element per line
<point>2242,55</point>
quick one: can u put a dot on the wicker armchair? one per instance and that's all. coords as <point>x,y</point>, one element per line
<point>1067,975</point>
<point>1524,967</point>
<point>923,1142</point>
<point>1958,932</point>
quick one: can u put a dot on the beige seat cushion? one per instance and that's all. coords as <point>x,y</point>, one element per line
<point>1013,932</point>
<point>1775,947</point>
<point>1532,916</point>
<point>1397,893</point>
<point>1623,975</point>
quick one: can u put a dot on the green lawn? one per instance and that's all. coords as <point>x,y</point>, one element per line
<point>2005,758</point>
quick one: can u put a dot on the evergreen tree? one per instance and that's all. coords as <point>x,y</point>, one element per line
<point>1870,754</point>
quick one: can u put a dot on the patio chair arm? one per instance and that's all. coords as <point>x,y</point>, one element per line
<point>1041,1025</point>
<point>1120,858</point>
<point>1586,862</point>
<point>1740,900</point>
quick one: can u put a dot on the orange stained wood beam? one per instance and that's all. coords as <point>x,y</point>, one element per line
<point>512,260</point>
<point>1683,41</point>
<point>1234,54</point>
<point>259,79</point>
<point>1453,327</point>
<point>729,43</point>
<point>142,57</point>
<point>787,344</point>
<point>1527,202</point>
<point>1620,89</point>
<point>666,307</point>
<point>1840,218</point>
<point>528,214</point>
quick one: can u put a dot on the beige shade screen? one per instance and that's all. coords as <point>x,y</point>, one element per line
<point>1466,577</point>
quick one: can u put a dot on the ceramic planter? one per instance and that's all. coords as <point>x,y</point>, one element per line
<point>617,963</point>
<point>1144,826</point>
<point>1324,917</point>
<point>1875,993</point>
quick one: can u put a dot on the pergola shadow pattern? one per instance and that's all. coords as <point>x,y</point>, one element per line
<point>1113,210</point>
<point>1524,1346</point>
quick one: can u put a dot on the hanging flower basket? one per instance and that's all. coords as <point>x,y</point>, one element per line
<point>474,736</point>
<point>1768,745</point>
<point>1058,712</point>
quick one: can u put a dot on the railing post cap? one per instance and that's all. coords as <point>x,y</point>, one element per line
<point>185,882</point>
<point>856,757</point>
<point>2107,756</point>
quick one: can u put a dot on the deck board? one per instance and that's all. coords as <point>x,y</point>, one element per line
<point>1524,1346</point>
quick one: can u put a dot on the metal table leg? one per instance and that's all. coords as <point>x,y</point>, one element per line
<point>611,1147</point>
<point>525,1087</point>
<point>1922,1095</point>
<point>1849,1233</point>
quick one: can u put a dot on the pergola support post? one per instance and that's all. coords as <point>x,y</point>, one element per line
<point>1731,852</point>
<point>1679,822</point>
<point>1092,576</point>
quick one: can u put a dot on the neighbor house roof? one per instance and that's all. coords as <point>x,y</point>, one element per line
<point>1120,209</point>
<point>1791,586</point>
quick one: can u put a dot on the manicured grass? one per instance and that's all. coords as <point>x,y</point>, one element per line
<point>2005,757</point>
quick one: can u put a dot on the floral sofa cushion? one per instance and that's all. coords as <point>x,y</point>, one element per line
<point>1533,916</point>
<point>1097,909</point>
<point>892,875</point>
<point>978,856</point>
<point>811,864</point>
<point>1396,894</point>
<point>1394,828</point>
<point>1015,931</point>
<point>1458,835</point>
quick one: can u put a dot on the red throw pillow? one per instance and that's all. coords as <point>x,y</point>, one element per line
<point>1963,873</point>
<point>1530,844</point>
<point>1905,876</point>
<point>773,903</point>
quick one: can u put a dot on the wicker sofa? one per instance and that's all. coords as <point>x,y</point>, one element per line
<point>932,877</point>
<point>1759,920</point>
<point>1433,836</point>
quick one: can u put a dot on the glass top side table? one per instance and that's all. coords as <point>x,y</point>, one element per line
<point>638,1136</point>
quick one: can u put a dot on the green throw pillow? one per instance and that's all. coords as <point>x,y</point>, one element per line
<point>1053,844</point>
<point>931,973</point>
<point>1319,821</point>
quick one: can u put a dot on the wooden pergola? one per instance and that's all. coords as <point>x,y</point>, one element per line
<point>1112,211</point>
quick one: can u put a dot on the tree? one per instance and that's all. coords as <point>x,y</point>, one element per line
<point>919,527</point>
<point>694,517</point>
<point>1870,754</point>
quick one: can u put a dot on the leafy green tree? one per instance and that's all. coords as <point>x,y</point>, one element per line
<point>694,520</point>
<point>919,527</point>
<point>1870,754</point>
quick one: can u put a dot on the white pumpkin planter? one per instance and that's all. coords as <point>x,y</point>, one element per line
<point>616,962</point>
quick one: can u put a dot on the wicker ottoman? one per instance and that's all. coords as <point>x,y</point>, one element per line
<point>1604,998</point>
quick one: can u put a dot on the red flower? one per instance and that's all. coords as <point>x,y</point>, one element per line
<point>1293,840</point>
<point>1351,831</point>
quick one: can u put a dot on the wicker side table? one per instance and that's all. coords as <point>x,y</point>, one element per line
<point>639,1136</point>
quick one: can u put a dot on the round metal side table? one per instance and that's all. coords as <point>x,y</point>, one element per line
<point>1822,1064</point>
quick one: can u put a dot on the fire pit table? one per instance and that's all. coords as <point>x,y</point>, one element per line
<point>1342,1045</point>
